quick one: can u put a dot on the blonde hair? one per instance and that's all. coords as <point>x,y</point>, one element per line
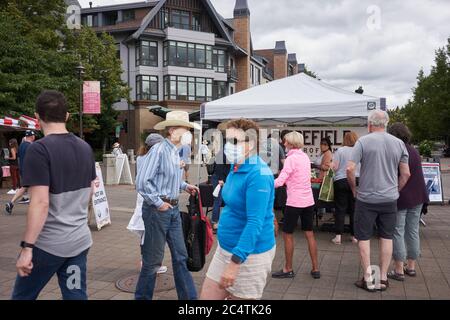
<point>295,139</point>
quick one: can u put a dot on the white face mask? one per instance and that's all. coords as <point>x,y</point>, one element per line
<point>186,138</point>
<point>234,153</point>
<point>177,134</point>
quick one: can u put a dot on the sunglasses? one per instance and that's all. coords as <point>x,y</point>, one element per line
<point>235,141</point>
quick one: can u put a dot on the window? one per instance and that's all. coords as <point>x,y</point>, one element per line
<point>190,55</point>
<point>201,56</point>
<point>219,58</point>
<point>257,76</point>
<point>187,88</point>
<point>196,22</point>
<point>219,90</point>
<point>180,19</point>
<point>231,90</point>
<point>118,50</point>
<point>147,53</point>
<point>110,18</point>
<point>128,15</point>
<point>147,88</point>
<point>252,74</point>
<point>90,20</point>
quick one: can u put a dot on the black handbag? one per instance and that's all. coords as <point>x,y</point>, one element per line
<point>194,230</point>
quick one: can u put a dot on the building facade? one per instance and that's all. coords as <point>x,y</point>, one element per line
<point>179,54</point>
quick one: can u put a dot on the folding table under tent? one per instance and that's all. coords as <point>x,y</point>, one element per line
<point>295,100</point>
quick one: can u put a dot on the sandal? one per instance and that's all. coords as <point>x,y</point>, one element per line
<point>411,273</point>
<point>384,283</point>
<point>396,276</point>
<point>283,275</point>
<point>365,285</point>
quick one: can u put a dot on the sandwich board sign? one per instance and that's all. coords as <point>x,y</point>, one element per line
<point>100,201</point>
<point>433,182</point>
<point>123,172</point>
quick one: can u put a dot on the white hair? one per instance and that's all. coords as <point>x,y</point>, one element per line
<point>378,119</point>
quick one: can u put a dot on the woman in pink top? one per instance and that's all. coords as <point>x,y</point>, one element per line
<point>296,175</point>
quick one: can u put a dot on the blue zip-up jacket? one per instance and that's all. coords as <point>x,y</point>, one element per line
<point>246,223</point>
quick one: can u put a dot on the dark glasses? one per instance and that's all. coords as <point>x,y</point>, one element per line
<point>235,141</point>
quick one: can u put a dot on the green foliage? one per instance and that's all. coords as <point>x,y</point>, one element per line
<point>38,52</point>
<point>428,113</point>
<point>425,148</point>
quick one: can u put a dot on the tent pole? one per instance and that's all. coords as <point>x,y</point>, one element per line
<point>199,152</point>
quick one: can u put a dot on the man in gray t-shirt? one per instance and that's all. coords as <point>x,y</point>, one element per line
<point>384,171</point>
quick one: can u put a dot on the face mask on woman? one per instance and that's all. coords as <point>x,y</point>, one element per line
<point>234,153</point>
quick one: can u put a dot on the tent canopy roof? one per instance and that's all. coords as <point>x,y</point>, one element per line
<point>298,99</point>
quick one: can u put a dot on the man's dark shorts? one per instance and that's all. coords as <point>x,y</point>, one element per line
<point>369,215</point>
<point>291,216</point>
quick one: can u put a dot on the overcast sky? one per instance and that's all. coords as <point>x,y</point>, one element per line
<point>379,44</point>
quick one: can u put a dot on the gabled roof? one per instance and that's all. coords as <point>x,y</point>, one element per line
<point>209,7</point>
<point>126,6</point>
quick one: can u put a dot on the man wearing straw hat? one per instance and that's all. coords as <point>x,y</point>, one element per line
<point>159,182</point>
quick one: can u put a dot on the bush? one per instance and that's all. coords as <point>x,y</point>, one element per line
<point>425,148</point>
<point>98,153</point>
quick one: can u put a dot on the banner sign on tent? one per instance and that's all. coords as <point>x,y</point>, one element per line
<point>433,181</point>
<point>100,201</point>
<point>91,97</point>
<point>313,135</point>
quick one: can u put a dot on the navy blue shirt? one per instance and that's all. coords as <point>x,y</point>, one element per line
<point>21,154</point>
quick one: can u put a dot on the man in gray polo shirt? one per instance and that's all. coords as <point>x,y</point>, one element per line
<point>384,171</point>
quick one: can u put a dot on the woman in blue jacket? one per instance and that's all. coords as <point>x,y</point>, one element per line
<point>246,235</point>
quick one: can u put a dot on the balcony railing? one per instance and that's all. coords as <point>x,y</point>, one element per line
<point>232,74</point>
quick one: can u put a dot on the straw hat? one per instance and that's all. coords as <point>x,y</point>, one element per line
<point>115,145</point>
<point>176,119</point>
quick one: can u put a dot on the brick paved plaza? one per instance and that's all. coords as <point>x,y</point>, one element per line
<point>115,255</point>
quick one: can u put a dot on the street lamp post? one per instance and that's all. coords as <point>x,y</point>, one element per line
<point>80,70</point>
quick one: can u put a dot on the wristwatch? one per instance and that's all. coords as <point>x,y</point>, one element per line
<point>236,259</point>
<point>24,245</point>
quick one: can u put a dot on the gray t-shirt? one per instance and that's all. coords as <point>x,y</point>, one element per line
<point>341,157</point>
<point>65,164</point>
<point>380,155</point>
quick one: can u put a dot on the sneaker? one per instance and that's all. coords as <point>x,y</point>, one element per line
<point>11,192</point>
<point>283,275</point>
<point>336,241</point>
<point>9,207</point>
<point>24,200</point>
<point>162,269</point>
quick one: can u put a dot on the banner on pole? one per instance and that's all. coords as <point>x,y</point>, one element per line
<point>100,201</point>
<point>91,97</point>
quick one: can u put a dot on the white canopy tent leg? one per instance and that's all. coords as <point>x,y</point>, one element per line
<point>199,152</point>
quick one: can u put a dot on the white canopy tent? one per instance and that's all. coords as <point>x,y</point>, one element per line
<point>295,100</point>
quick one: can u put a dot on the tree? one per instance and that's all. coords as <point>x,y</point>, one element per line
<point>38,52</point>
<point>428,113</point>
<point>310,73</point>
<point>98,55</point>
<point>29,55</point>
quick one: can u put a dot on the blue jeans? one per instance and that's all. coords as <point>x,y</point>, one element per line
<point>71,274</point>
<point>159,228</point>
<point>406,235</point>
<point>217,201</point>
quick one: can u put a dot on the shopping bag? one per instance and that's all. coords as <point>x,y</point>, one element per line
<point>198,234</point>
<point>216,191</point>
<point>326,193</point>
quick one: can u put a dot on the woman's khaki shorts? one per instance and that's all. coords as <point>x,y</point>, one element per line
<point>252,277</point>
